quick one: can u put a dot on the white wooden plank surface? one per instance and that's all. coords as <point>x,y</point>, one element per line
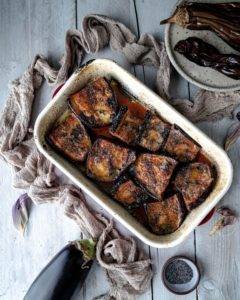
<point>219,255</point>
<point>155,10</point>
<point>28,27</point>
<point>24,31</point>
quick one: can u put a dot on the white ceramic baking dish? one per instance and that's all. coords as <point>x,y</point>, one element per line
<point>109,69</point>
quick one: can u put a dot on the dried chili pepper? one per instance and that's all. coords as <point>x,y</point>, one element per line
<point>220,18</point>
<point>206,55</point>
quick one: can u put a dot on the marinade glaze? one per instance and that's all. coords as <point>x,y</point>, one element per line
<point>136,157</point>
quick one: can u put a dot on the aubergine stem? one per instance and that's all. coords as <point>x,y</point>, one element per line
<point>183,18</point>
<point>222,19</point>
<point>65,273</point>
<point>222,11</point>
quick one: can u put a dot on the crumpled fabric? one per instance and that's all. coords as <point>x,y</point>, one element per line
<point>233,133</point>
<point>208,106</point>
<point>127,268</point>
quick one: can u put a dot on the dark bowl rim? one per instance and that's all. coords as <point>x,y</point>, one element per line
<point>164,279</point>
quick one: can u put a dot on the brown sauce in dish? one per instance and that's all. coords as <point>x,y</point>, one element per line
<point>108,161</point>
<point>102,132</point>
<point>201,158</point>
<point>126,100</point>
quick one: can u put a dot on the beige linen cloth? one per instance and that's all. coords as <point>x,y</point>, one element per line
<point>128,269</point>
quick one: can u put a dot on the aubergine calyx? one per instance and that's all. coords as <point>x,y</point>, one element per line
<point>87,247</point>
<point>180,17</point>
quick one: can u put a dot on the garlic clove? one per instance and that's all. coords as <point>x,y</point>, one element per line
<point>228,218</point>
<point>20,212</point>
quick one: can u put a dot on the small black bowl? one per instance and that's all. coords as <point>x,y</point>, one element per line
<point>184,288</point>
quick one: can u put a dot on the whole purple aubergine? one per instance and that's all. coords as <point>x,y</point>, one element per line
<point>220,18</point>
<point>65,273</point>
<point>206,55</point>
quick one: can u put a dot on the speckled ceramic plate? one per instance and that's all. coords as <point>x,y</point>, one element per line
<point>203,77</point>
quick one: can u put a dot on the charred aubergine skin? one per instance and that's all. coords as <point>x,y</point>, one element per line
<point>127,193</point>
<point>165,216</point>
<point>153,172</point>
<point>181,146</point>
<point>154,132</point>
<point>71,138</point>
<point>107,160</point>
<point>126,126</point>
<point>95,104</point>
<point>206,55</point>
<point>192,181</point>
<point>220,18</point>
<point>62,276</point>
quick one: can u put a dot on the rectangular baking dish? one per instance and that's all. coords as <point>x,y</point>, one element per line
<point>109,69</point>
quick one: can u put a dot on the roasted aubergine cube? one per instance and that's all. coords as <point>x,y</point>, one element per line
<point>165,216</point>
<point>106,160</point>
<point>153,172</point>
<point>180,145</point>
<point>192,182</point>
<point>154,132</point>
<point>95,104</point>
<point>126,126</point>
<point>128,193</point>
<point>70,138</point>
